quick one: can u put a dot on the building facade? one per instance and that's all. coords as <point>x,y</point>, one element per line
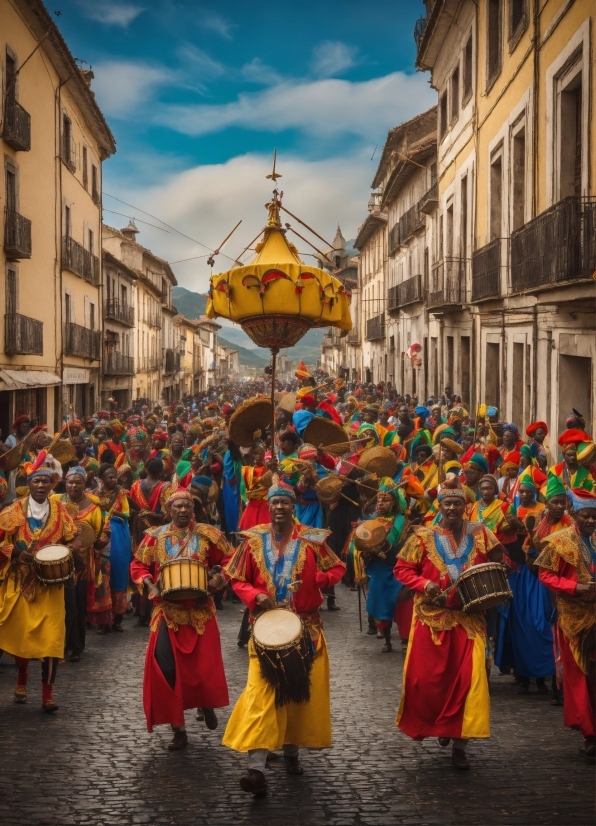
<point>119,298</point>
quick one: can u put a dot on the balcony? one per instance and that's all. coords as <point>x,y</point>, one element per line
<point>172,361</point>
<point>447,284</point>
<point>393,239</point>
<point>556,247</point>
<point>79,260</point>
<point>23,336</point>
<point>409,222</point>
<point>353,337</point>
<point>392,302</point>
<point>148,364</point>
<point>16,131</point>
<point>152,317</point>
<point>409,291</point>
<point>486,271</point>
<point>430,200</point>
<point>80,341</point>
<point>375,328</point>
<point>17,235</point>
<point>118,310</point>
<point>116,364</point>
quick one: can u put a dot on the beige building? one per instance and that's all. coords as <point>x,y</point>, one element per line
<point>119,298</point>
<point>54,140</point>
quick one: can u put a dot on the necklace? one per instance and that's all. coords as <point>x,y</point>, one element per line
<point>279,546</point>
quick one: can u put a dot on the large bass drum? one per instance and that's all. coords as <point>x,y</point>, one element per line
<point>285,652</point>
<point>483,586</point>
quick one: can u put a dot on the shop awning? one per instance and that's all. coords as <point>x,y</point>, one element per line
<point>26,379</point>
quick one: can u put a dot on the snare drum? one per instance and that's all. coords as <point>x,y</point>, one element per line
<point>483,586</point>
<point>183,579</point>
<point>53,564</point>
<point>285,652</point>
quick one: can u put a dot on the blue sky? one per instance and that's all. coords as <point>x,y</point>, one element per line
<point>199,94</point>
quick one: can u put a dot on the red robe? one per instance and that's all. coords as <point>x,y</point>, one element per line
<point>192,629</point>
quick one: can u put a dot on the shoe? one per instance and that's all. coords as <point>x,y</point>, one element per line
<point>444,742</point>
<point>541,686</point>
<point>200,715</point>
<point>404,648</point>
<point>387,648</point>
<point>210,718</point>
<point>372,632</point>
<point>50,706</point>
<point>254,782</point>
<point>459,759</point>
<point>380,635</point>
<point>332,605</point>
<point>293,765</point>
<point>118,628</point>
<point>74,658</point>
<point>240,643</point>
<point>20,695</point>
<point>178,742</point>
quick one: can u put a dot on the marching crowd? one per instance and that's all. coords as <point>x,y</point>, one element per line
<point>164,513</point>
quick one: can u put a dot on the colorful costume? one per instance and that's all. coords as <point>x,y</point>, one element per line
<point>256,511</point>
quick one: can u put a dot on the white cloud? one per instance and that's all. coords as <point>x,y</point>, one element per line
<point>322,108</point>
<point>258,72</point>
<point>206,201</point>
<point>122,86</point>
<point>332,57</point>
<point>199,61</point>
<point>111,13</point>
<point>216,23</point>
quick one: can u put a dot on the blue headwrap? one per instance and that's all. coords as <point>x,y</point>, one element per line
<point>585,500</point>
<point>77,470</point>
<point>279,488</point>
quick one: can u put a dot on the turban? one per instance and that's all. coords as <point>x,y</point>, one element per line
<point>302,371</point>
<point>77,470</point>
<point>534,426</point>
<point>575,416</point>
<point>179,493</point>
<point>117,427</point>
<point>512,427</point>
<point>91,464</point>
<point>327,411</point>
<point>554,487</point>
<point>20,419</point>
<point>39,467</point>
<point>581,499</point>
<point>369,431</point>
<point>301,418</point>
<point>136,433</point>
<point>511,460</point>
<point>488,477</point>
<point>160,435</point>
<point>279,488</point>
<point>572,438</point>
<point>478,462</point>
<point>451,488</point>
<point>586,453</point>
<point>307,400</point>
<point>450,444</point>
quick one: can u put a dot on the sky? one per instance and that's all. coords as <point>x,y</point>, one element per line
<point>198,95</point>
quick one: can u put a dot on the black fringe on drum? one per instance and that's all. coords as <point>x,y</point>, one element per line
<point>288,672</point>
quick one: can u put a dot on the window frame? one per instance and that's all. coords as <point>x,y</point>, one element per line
<point>515,34</point>
<point>492,78</point>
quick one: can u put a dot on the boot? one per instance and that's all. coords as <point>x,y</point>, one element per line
<point>332,605</point>
<point>387,635</point>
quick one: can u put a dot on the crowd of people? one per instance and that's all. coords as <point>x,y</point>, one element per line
<point>153,507</point>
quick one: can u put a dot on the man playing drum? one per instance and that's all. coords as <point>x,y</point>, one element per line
<point>445,686</point>
<point>183,664</point>
<point>32,615</point>
<point>284,564</point>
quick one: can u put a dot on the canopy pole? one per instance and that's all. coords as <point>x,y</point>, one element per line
<point>274,352</point>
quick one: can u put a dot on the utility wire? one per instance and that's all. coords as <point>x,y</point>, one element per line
<point>132,218</point>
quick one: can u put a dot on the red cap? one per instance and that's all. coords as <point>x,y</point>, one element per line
<point>534,426</point>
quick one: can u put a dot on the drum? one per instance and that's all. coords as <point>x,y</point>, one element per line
<point>483,586</point>
<point>183,579</point>
<point>370,536</point>
<point>53,564</point>
<point>285,652</point>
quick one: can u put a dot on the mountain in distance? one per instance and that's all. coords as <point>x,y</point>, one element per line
<point>192,305</point>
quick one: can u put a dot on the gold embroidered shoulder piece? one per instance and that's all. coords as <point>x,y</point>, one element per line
<point>13,516</point>
<point>416,545</point>
<point>146,552</point>
<point>565,545</point>
<point>214,536</point>
<point>176,615</point>
<point>443,619</point>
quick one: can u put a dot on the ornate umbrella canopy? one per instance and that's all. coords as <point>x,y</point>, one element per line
<point>276,298</point>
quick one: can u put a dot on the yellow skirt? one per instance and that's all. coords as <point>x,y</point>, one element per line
<point>32,629</point>
<point>256,722</point>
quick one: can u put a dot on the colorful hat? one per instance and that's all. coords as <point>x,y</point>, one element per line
<point>77,470</point>
<point>307,400</point>
<point>572,438</point>
<point>369,430</point>
<point>160,435</point>
<point>451,487</point>
<point>554,487</point>
<point>478,462</point>
<point>24,417</point>
<point>328,411</point>
<point>575,416</point>
<point>279,488</point>
<point>581,499</point>
<point>488,477</point>
<point>534,426</point>
<point>178,493</point>
<point>39,467</point>
<point>302,371</point>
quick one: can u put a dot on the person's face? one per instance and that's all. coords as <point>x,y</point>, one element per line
<point>570,457</point>
<point>526,496</point>
<point>473,476</point>
<point>556,506</point>
<point>487,492</point>
<point>287,447</point>
<point>422,456</point>
<point>383,417</point>
<point>182,512</point>
<point>585,519</point>
<point>540,434</point>
<point>101,435</point>
<point>138,445</point>
<point>447,454</point>
<point>281,509</point>
<point>75,487</point>
<point>509,439</point>
<point>40,488</point>
<point>512,472</point>
<point>24,427</point>
<point>448,392</point>
<point>452,510</point>
<point>258,456</point>
<point>196,462</point>
<point>90,476</point>
<point>89,427</point>
<point>480,430</point>
<point>370,417</point>
<point>404,414</point>
<point>110,479</point>
<point>436,411</point>
<point>524,462</point>
<point>157,444</point>
<point>177,443</point>
<point>384,504</point>
<point>150,426</point>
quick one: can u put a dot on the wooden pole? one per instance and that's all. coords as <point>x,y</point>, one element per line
<point>274,352</point>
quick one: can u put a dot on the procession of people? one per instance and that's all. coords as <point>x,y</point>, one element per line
<point>473,544</point>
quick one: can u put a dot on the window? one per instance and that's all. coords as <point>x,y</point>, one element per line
<point>518,194</point>
<point>91,241</point>
<point>493,41</point>
<point>11,291</point>
<point>67,222</point>
<point>67,308</point>
<point>449,232</point>
<point>94,183</point>
<point>433,173</point>
<point>11,79</point>
<point>443,115</point>
<point>85,169</point>
<point>68,152</point>
<point>467,74</point>
<point>570,141</point>
<point>123,294</point>
<point>518,21</point>
<point>91,316</point>
<point>455,95</point>
<point>496,197</point>
<point>463,232</point>
<point>11,188</point>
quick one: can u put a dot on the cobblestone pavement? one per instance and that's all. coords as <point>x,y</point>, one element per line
<point>94,763</point>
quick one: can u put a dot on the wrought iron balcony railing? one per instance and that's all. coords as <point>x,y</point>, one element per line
<point>17,235</point>
<point>430,200</point>
<point>172,361</point>
<point>409,291</point>
<point>16,129</point>
<point>375,328</point>
<point>152,317</point>
<point>448,283</point>
<point>409,222</point>
<point>486,271</point>
<point>393,239</point>
<point>116,364</point>
<point>353,337</point>
<point>22,335</point>
<point>79,260</point>
<point>81,341</point>
<point>557,246</point>
<point>118,310</point>
<point>392,302</point>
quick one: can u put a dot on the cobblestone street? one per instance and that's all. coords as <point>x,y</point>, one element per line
<point>94,763</point>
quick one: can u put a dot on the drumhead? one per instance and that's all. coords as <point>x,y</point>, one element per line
<point>484,566</point>
<point>277,627</point>
<point>52,553</point>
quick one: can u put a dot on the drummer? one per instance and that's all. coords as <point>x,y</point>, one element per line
<point>445,686</point>
<point>32,616</point>
<point>183,664</point>
<point>282,564</point>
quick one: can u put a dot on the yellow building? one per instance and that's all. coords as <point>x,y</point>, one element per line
<point>511,279</point>
<point>54,140</point>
